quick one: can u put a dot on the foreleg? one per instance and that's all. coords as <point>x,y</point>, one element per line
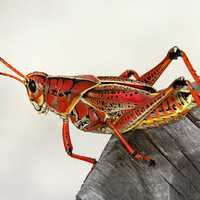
<point>68,145</point>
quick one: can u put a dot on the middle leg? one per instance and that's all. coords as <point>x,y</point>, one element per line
<point>68,145</point>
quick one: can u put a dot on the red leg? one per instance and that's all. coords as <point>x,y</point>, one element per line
<point>152,76</point>
<point>190,68</point>
<point>128,73</point>
<point>132,152</point>
<point>68,145</point>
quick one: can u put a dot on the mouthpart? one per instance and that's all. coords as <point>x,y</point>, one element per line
<point>43,109</point>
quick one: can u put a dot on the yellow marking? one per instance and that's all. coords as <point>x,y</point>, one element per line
<point>168,117</point>
<point>41,100</point>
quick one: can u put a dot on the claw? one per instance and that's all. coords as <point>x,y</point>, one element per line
<point>152,163</point>
<point>139,156</point>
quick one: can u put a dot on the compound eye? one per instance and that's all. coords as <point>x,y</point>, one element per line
<point>32,86</point>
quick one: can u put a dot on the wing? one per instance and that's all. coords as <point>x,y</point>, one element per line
<point>116,96</point>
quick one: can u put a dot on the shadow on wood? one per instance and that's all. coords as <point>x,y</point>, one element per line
<point>176,176</point>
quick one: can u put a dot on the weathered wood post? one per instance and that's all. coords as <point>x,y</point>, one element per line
<point>176,150</point>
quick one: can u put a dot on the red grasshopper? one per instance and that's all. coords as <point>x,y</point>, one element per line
<point>111,104</point>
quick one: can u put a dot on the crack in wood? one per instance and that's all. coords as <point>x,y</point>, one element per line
<point>193,119</point>
<point>174,188</point>
<point>182,150</point>
<point>191,162</point>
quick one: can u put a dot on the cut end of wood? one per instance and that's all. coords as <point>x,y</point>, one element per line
<point>175,148</point>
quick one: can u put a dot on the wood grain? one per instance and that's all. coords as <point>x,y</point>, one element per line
<point>176,176</point>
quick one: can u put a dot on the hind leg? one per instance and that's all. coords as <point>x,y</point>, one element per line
<point>154,74</point>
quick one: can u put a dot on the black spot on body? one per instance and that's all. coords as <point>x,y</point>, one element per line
<point>68,92</point>
<point>149,89</point>
<point>75,81</point>
<point>60,94</point>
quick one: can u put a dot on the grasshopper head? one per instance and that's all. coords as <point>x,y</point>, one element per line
<point>34,83</point>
